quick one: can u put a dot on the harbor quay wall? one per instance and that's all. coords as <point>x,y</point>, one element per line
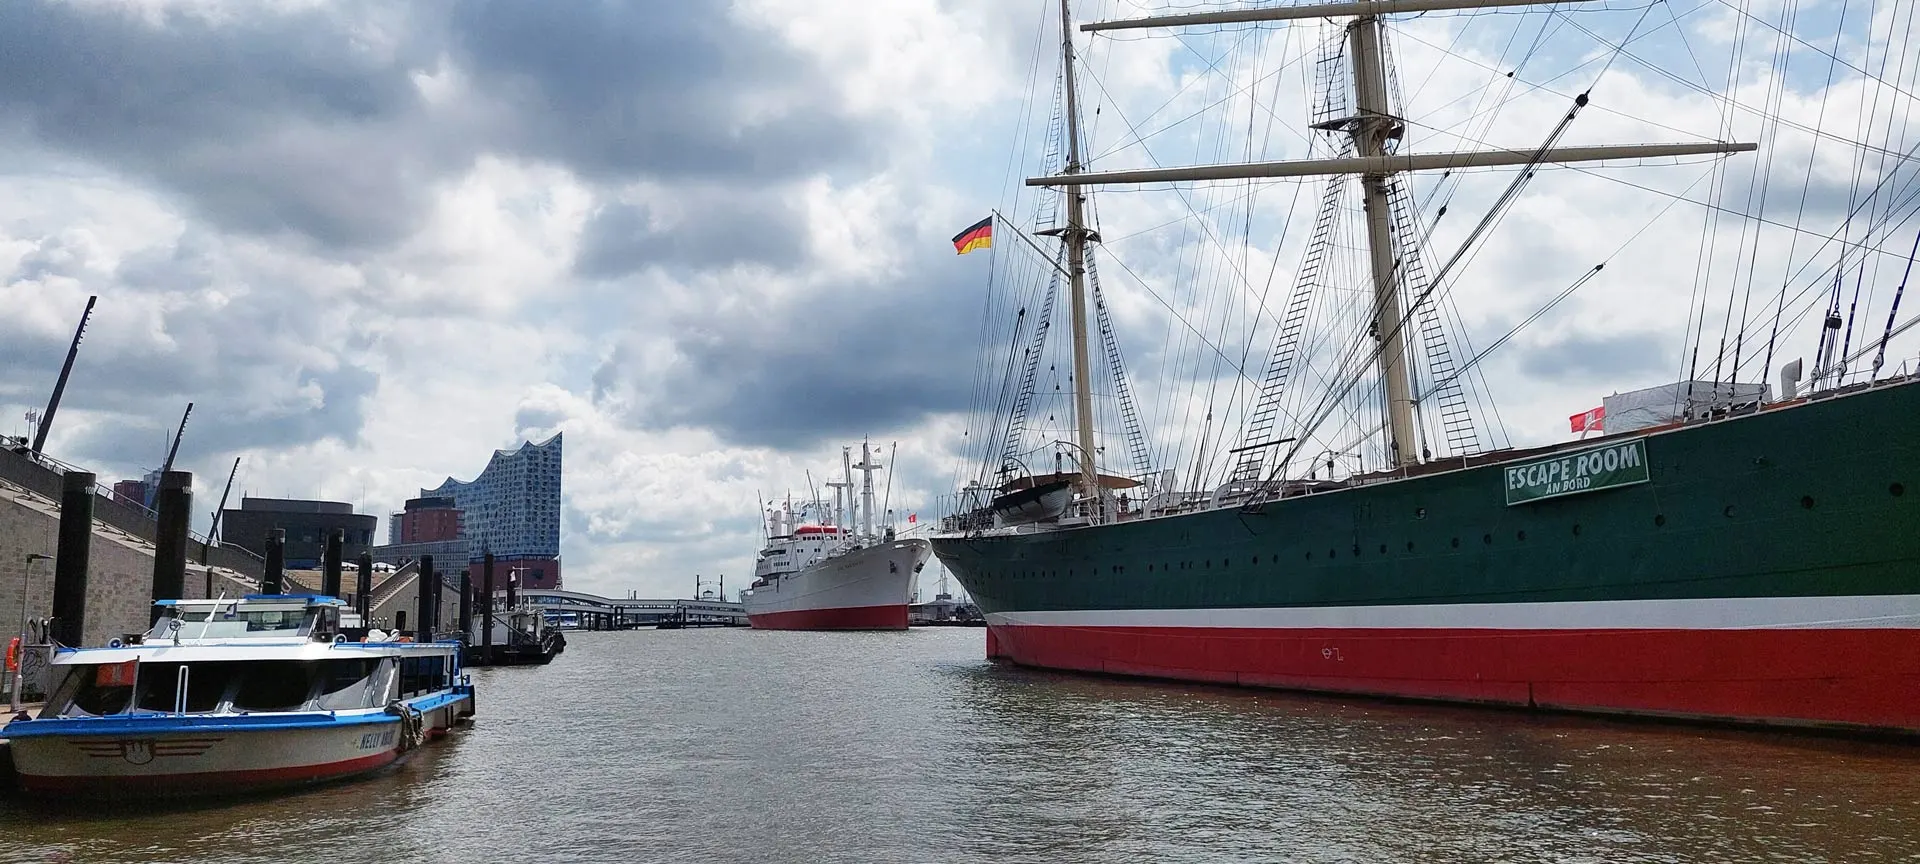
<point>119,570</point>
<point>23,471</point>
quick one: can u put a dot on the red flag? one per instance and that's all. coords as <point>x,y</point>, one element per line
<point>912,517</point>
<point>115,674</point>
<point>1589,421</point>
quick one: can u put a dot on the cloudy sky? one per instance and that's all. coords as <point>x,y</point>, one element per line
<point>373,241</point>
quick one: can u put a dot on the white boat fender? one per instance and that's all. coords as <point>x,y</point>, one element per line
<point>339,638</point>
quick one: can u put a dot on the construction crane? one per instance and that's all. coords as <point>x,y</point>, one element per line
<point>60,384</point>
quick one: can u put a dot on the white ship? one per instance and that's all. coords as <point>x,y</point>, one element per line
<point>829,573</point>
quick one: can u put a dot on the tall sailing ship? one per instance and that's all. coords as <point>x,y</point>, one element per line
<point>1721,551</point>
<point>835,571</point>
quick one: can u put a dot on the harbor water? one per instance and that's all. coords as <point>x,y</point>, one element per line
<point>738,745</point>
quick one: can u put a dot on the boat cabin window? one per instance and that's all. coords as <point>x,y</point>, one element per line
<point>420,675</point>
<point>238,686</point>
<point>326,622</point>
<point>228,623</point>
<point>273,685</point>
<point>345,684</point>
<point>91,690</point>
<point>159,685</point>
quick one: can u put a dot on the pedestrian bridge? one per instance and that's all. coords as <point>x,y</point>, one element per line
<point>593,612</point>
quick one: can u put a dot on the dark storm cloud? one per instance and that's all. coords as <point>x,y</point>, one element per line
<point>310,121</point>
<point>620,89</point>
<point>720,230</point>
<point>219,428</point>
<point>848,360</point>
<point>267,122</point>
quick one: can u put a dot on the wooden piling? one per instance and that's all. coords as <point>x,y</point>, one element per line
<point>71,558</point>
<point>173,508</point>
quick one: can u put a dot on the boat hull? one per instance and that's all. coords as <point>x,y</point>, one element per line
<point>866,589</point>
<point>1856,677</point>
<point>1767,571</point>
<point>171,756</point>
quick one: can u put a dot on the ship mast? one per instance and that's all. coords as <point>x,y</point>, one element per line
<point>866,467</point>
<point>1373,129</point>
<point>1076,236</point>
<point>846,480</point>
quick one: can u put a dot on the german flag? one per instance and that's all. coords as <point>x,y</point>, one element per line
<point>979,235</point>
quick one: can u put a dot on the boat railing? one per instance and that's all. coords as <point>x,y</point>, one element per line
<point>180,690</point>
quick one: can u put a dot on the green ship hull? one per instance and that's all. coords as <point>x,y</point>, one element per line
<point>1760,568</point>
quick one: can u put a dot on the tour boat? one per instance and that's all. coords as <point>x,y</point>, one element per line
<point>229,696</point>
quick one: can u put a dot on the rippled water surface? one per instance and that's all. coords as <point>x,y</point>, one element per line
<point>735,745</point>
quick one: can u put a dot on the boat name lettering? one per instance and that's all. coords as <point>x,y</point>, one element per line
<point>1622,464</point>
<point>375,740</point>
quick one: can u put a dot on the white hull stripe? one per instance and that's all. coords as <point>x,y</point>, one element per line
<point>1718,613</point>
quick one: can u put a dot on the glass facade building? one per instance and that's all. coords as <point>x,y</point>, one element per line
<point>513,508</point>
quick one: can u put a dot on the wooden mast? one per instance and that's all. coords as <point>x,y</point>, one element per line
<point>1372,129</point>
<point>1076,236</point>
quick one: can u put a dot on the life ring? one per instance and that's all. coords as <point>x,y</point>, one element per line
<point>13,654</point>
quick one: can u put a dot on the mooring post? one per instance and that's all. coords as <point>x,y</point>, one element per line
<point>273,579</point>
<point>466,607</point>
<point>486,607</point>
<point>173,507</point>
<point>363,589</point>
<point>423,615</point>
<point>438,588</point>
<point>70,558</point>
<point>331,565</point>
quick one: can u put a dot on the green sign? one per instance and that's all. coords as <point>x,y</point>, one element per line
<point>1622,464</point>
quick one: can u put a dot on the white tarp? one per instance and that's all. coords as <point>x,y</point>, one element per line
<point>1667,403</point>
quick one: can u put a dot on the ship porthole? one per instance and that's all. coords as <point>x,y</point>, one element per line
<point>1806,501</point>
<point>1896,490</point>
<point>1521,536</point>
<point>1487,539</point>
<point>1420,513</point>
<point>1383,548</point>
<point>1576,529</point>
<point>1409,545</point>
<point>1659,519</point>
<point>1728,512</point>
<point>1456,542</point>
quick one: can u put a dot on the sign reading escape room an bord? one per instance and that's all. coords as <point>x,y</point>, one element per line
<point>1613,465</point>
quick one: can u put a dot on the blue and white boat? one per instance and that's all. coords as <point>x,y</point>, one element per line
<point>229,696</point>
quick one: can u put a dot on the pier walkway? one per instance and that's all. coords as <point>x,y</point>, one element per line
<point>593,612</point>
